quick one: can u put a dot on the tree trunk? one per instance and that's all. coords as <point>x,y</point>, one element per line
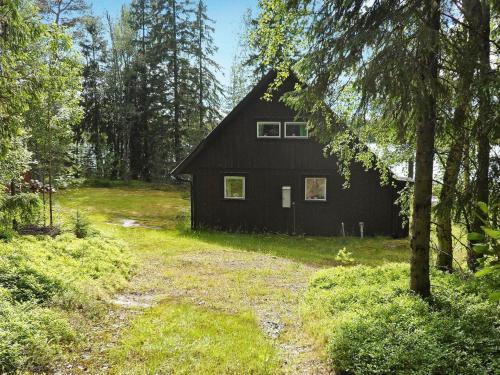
<point>426,126</point>
<point>51,218</point>
<point>444,260</point>
<point>13,192</point>
<point>447,196</point>
<point>43,199</point>
<point>483,126</point>
<point>200,65</point>
<point>411,172</point>
<point>177,130</point>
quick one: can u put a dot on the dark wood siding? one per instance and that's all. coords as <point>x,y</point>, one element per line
<point>269,164</point>
<point>262,211</point>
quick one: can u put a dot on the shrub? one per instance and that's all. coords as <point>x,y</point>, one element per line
<point>41,268</point>
<point>25,282</point>
<point>81,225</point>
<point>24,208</point>
<point>344,257</point>
<point>6,234</point>
<point>30,336</point>
<point>42,277</point>
<point>371,324</point>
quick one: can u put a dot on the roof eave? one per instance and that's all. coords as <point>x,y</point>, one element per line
<point>183,166</point>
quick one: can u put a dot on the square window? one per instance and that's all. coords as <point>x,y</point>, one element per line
<point>315,188</point>
<point>296,130</point>
<point>234,187</point>
<point>268,129</point>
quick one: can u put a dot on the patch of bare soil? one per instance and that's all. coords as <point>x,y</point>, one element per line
<point>35,230</point>
<point>132,223</point>
<point>135,299</point>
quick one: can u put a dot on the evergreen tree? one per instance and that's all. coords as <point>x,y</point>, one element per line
<point>377,62</point>
<point>209,89</point>
<point>245,69</point>
<point>66,13</point>
<point>118,109</point>
<point>91,128</point>
<point>153,95</point>
<point>138,79</point>
<point>456,122</point>
<point>485,122</point>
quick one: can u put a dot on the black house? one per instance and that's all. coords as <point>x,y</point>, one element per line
<point>259,170</point>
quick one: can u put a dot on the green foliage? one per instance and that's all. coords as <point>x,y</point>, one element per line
<point>94,263</point>
<point>31,337</point>
<point>6,234</point>
<point>245,70</point>
<point>40,280</point>
<point>373,325</point>
<point>487,246</point>
<point>139,119</point>
<point>15,162</point>
<point>81,225</point>
<point>344,256</point>
<point>26,282</point>
<point>56,108</point>
<point>24,208</point>
<point>18,62</point>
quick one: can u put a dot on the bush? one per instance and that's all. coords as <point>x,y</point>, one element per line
<point>41,278</point>
<point>24,282</point>
<point>81,226</point>
<point>371,324</point>
<point>6,234</point>
<point>37,269</point>
<point>30,336</point>
<point>24,208</point>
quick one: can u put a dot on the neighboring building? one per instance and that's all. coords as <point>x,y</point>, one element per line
<point>258,170</point>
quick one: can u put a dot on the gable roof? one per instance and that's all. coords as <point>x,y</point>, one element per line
<point>260,87</point>
<point>252,95</point>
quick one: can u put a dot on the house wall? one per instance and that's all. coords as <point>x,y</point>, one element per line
<point>262,211</point>
<point>269,164</point>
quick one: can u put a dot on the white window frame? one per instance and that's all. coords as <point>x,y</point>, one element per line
<point>226,177</point>
<point>296,136</point>
<point>305,189</point>
<point>259,123</point>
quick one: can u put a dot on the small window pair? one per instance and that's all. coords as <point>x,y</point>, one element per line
<point>272,129</point>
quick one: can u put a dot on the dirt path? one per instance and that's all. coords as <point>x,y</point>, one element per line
<point>269,286</point>
<point>227,280</point>
<point>232,281</point>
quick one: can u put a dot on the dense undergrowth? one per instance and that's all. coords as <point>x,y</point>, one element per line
<point>43,283</point>
<point>371,324</point>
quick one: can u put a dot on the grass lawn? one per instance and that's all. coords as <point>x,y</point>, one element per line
<point>190,339</point>
<point>208,302</point>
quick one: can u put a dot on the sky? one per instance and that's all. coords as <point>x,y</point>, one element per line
<point>227,15</point>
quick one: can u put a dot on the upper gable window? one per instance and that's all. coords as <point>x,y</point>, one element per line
<point>296,130</point>
<point>268,129</point>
